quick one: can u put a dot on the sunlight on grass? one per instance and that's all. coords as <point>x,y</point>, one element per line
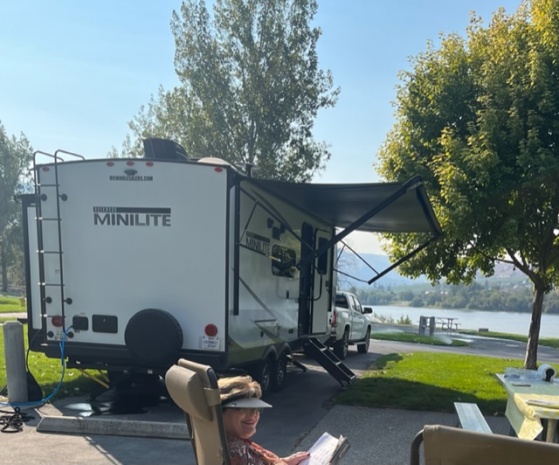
<point>10,304</point>
<point>431,382</point>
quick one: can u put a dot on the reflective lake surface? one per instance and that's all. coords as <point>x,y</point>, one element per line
<point>504,322</point>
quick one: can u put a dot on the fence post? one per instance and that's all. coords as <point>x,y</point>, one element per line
<point>431,326</point>
<point>422,325</point>
<point>14,350</point>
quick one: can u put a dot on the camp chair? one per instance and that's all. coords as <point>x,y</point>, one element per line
<point>193,387</point>
<point>444,445</point>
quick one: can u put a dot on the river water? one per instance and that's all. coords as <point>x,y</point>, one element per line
<point>504,322</point>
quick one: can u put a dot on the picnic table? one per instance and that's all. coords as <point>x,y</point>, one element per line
<point>447,323</point>
<point>531,402</point>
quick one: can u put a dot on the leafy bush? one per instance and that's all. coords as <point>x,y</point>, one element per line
<point>404,320</point>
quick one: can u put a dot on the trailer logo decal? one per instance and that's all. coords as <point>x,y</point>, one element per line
<point>259,244</point>
<point>132,216</point>
<point>130,175</point>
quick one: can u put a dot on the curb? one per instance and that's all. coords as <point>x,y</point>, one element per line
<point>87,426</point>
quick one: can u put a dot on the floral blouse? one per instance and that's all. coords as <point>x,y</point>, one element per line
<point>246,452</point>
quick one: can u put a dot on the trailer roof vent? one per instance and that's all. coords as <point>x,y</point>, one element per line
<point>163,149</point>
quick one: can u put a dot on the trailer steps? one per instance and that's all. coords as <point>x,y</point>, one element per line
<point>333,365</point>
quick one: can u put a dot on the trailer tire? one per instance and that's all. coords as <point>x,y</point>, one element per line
<point>154,337</point>
<point>263,373</point>
<point>279,373</point>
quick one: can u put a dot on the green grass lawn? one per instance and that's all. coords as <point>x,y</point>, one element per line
<point>434,381</point>
<point>431,382</point>
<point>9,304</point>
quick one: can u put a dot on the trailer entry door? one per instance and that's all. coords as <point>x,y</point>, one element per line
<point>306,280</point>
<point>322,279</point>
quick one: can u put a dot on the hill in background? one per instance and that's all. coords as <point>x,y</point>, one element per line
<point>352,265</point>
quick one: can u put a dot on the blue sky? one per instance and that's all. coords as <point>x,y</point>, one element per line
<point>73,73</point>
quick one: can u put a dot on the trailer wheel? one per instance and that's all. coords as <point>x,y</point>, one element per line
<point>263,374</point>
<point>154,337</point>
<point>280,370</point>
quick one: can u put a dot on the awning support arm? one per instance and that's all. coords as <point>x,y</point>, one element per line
<point>402,260</point>
<point>412,183</point>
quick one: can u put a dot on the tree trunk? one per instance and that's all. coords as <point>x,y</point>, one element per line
<point>531,360</point>
<point>4,266</point>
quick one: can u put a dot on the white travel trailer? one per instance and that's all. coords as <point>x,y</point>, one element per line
<point>134,263</point>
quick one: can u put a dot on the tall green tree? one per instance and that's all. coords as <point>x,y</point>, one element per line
<point>15,157</point>
<point>250,88</point>
<point>478,118</point>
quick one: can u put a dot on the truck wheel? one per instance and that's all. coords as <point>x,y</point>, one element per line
<point>363,348</point>
<point>263,374</point>
<point>341,346</point>
<point>278,380</point>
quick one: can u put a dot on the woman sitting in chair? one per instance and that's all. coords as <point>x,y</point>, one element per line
<point>241,404</point>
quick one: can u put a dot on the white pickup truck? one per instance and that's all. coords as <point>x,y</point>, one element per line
<point>349,325</point>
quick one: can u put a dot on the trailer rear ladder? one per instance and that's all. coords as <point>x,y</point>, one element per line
<point>45,191</point>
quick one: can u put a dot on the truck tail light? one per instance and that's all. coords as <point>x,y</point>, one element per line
<point>334,318</point>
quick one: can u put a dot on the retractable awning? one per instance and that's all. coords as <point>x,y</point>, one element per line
<point>384,207</point>
<point>378,207</point>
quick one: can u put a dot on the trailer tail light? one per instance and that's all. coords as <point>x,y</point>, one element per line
<point>110,163</point>
<point>57,321</point>
<point>210,330</point>
<point>149,163</point>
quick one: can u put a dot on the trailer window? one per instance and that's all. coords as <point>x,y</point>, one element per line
<point>322,261</point>
<point>283,261</point>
